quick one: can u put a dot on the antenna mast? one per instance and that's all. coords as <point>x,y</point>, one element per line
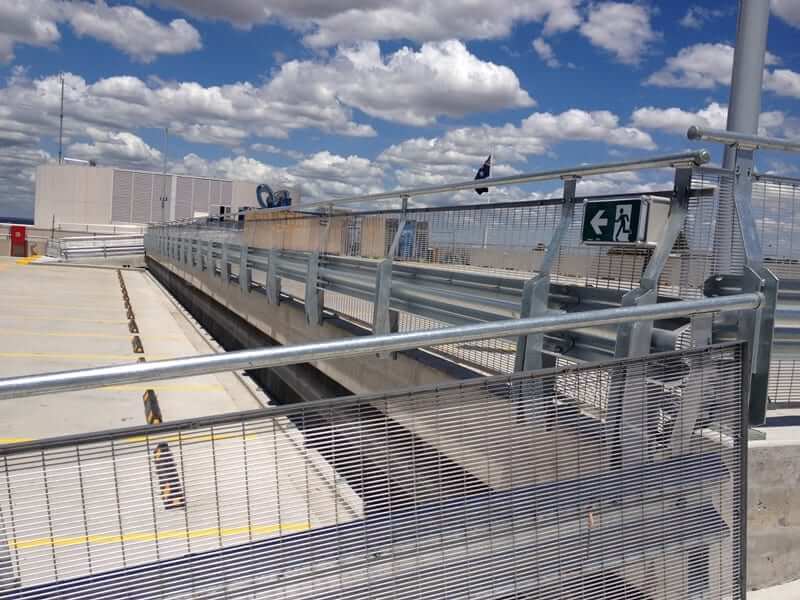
<point>61,124</point>
<point>164,198</point>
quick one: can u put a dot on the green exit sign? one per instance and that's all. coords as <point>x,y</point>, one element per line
<point>618,222</point>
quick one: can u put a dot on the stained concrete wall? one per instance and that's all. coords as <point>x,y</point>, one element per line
<point>773,518</point>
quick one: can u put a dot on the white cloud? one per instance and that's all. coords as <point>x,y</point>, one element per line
<point>783,82</point>
<point>271,149</point>
<point>622,29</point>
<point>702,66</point>
<point>411,87</point>
<point>317,94</point>
<point>706,66</point>
<point>545,52</point>
<point>697,16</point>
<point>459,152</point>
<point>17,170</point>
<point>122,148</point>
<point>328,23</point>
<point>33,22</point>
<point>714,116</point>
<point>36,22</point>
<point>788,10</point>
<point>320,176</point>
<point>133,32</point>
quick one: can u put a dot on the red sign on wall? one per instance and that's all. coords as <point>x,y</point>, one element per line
<point>19,240</point>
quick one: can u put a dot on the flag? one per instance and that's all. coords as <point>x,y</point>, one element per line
<point>483,173</point>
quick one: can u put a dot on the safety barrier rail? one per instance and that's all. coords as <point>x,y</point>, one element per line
<point>32,385</point>
<point>405,269</point>
<point>494,487</point>
<point>69,248</point>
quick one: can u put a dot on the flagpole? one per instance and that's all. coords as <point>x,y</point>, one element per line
<point>488,201</point>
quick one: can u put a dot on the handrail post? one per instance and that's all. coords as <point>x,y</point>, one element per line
<point>313,295</point>
<point>244,271</point>
<point>384,319</point>
<point>273,280</point>
<point>225,267</point>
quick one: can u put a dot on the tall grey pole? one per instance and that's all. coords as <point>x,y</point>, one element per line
<point>744,107</point>
<point>61,125</point>
<point>164,197</point>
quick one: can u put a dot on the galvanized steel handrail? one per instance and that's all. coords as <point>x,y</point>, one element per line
<point>697,158</point>
<point>33,385</point>
<point>743,140</point>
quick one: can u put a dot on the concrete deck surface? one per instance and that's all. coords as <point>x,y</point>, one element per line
<point>54,318</point>
<point>787,591</point>
<point>63,517</point>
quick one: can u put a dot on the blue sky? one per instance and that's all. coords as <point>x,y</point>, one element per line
<point>341,97</point>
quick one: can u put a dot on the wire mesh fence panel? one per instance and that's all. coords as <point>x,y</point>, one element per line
<point>516,486</point>
<point>776,207</point>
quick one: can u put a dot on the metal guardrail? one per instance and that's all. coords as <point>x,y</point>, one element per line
<point>496,487</point>
<point>473,264</point>
<point>31,385</point>
<point>104,246</point>
<point>609,476</point>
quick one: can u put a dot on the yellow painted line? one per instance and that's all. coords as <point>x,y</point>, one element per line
<point>28,260</point>
<point>185,438</point>
<point>178,534</point>
<point>80,334</point>
<point>8,317</point>
<point>63,356</point>
<point>169,387</point>
<point>37,307</point>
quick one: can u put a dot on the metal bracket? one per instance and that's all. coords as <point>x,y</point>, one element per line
<point>244,271</point>
<point>759,328</point>
<point>313,298</point>
<point>384,319</point>
<point>689,408</point>
<point>536,293</point>
<point>273,281</point>
<point>224,266</point>
<point>626,418</point>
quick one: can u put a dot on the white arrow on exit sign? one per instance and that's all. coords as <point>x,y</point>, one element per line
<point>598,222</point>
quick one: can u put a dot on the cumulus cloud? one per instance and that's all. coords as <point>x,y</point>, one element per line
<point>123,148</point>
<point>697,16</point>
<point>714,116</point>
<point>318,94</point>
<point>408,86</point>
<point>788,10</point>
<point>127,28</point>
<point>329,23</point>
<point>706,66</point>
<point>133,32</point>
<point>33,22</point>
<point>457,152</point>
<point>622,29</point>
<point>545,52</point>
<point>321,176</point>
<point>17,170</point>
